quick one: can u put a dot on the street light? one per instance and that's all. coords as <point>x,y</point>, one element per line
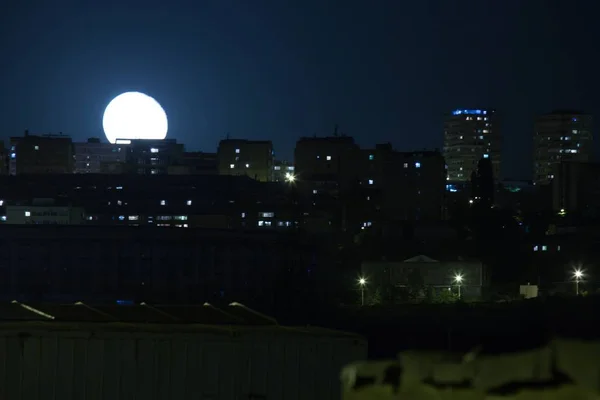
<point>458,278</point>
<point>290,178</point>
<point>577,274</point>
<point>362,282</point>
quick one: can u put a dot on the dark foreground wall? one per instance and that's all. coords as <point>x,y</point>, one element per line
<point>159,265</point>
<point>126,361</point>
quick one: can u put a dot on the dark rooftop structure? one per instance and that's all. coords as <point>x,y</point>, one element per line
<point>123,312</point>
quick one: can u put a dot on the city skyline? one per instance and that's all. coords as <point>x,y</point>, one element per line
<point>256,72</point>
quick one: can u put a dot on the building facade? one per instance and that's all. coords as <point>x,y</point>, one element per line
<point>93,263</point>
<point>469,136</point>
<point>95,157</point>
<point>45,154</point>
<point>561,135</point>
<point>35,214</point>
<point>319,159</point>
<point>422,272</point>
<point>398,186</point>
<point>576,189</point>
<point>250,158</point>
<point>153,157</point>
<point>170,201</point>
<point>283,171</point>
<point>200,163</point>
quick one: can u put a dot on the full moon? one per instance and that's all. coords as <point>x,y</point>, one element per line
<point>134,115</point>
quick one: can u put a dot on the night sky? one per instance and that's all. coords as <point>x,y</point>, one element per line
<point>384,70</point>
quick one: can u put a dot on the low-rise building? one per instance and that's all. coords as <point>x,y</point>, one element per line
<point>93,156</point>
<point>252,158</point>
<point>424,273</point>
<point>41,154</point>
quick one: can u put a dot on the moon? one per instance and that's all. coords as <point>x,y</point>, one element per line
<point>134,115</point>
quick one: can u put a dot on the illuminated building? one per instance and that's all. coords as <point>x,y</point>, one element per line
<point>152,157</point>
<point>282,170</point>
<point>400,186</point>
<point>43,212</point>
<point>560,136</point>
<point>94,157</point>
<point>469,136</point>
<point>45,154</point>
<point>325,164</point>
<point>239,157</point>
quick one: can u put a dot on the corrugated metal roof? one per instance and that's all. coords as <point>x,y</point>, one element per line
<point>144,318</point>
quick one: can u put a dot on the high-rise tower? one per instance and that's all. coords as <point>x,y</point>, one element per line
<point>469,136</point>
<point>559,136</point>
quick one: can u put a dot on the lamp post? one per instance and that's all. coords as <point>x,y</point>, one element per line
<point>577,274</point>
<point>458,278</point>
<point>362,282</point>
<point>290,178</point>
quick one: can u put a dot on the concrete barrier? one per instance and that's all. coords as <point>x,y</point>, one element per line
<point>562,369</point>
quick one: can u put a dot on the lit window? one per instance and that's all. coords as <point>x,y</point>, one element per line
<point>544,248</point>
<point>481,137</point>
<point>28,213</point>
<point>3,218</point>
<point>163,202</point>
<point>371,157</point>
<point>328,158</point>
<point>417,165</point>
<point>405,165</point>
<point>13,155</point>
<point>315,191</point>
<point>237,151</point>
<point>267,214</point>
<point>574,131</point>
<point>153,150</point>
<point>36,147</point>
<point>535,248</point>
<point>243,215</point>
<point>370,181</point>
<point>231,166</point>
<point>247,165</point>
<point>134,217</point>
<point>486,156</point>
<point>189,202</point>
<point>558,248</point>
<point>185,225</point>
<point>291,168</point>
<point>277,168</point>
<point>1,202</point>
<point>181,217</point>
<point>121,217</point>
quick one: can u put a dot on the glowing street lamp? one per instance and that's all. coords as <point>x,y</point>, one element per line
<point>290,178</point>
<point>458,278</point>
<point>577,274</point>
<point>362,282</point>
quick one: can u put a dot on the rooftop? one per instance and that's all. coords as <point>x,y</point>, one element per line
<point>145,317</point>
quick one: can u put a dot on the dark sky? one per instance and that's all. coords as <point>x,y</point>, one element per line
<point>384,70</point>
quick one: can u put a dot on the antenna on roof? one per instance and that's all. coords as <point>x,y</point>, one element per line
<point>335,130</point>
<point>227,136</point>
